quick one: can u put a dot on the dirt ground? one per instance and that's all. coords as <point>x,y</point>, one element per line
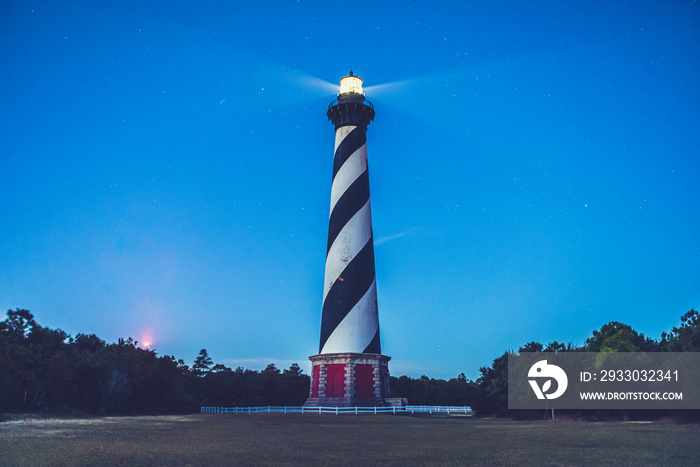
<point>312,439</point>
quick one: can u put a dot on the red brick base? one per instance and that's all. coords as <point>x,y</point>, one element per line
<point>349,379</point>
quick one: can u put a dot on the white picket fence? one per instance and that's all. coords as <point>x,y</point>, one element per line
<point>342,410</point>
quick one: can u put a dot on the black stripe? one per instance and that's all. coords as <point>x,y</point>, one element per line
<point>351,143</point>
<point>347,206</point>
<point>357,278</point>
<point>374,346</point>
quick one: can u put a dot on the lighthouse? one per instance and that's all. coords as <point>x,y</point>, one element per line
<point>350,369</point>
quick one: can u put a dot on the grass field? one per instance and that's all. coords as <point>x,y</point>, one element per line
<point>312,439</point>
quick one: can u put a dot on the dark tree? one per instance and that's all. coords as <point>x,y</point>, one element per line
<point>686,337</point>
<point>531,347</point>
<point>558,347</point>
<point>202,364</point>
<point>618,337</point>
<point>430,391</point>
<point>18,323</point>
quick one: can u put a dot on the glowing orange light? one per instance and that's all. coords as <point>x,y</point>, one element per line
<point>146,337</point>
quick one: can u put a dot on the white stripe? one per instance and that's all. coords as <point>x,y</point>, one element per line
<point>353,167</point>
<point>357,329</point>
<point>351,239</point>
<point>341,133</point>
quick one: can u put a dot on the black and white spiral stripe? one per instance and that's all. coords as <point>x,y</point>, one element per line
<point>349,320</point>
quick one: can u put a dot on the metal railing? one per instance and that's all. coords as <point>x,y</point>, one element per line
<point>341,410</point>
<point>365,102</point>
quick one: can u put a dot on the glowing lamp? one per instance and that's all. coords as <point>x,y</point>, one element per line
<point>351,83</point>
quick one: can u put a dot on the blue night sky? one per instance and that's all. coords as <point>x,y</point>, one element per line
<point>165,171</point>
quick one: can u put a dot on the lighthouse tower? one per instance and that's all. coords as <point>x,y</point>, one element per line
<point>349,368</point>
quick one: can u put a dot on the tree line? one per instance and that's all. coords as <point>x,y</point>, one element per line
<point>46,370</point>
<point>612,337</point>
